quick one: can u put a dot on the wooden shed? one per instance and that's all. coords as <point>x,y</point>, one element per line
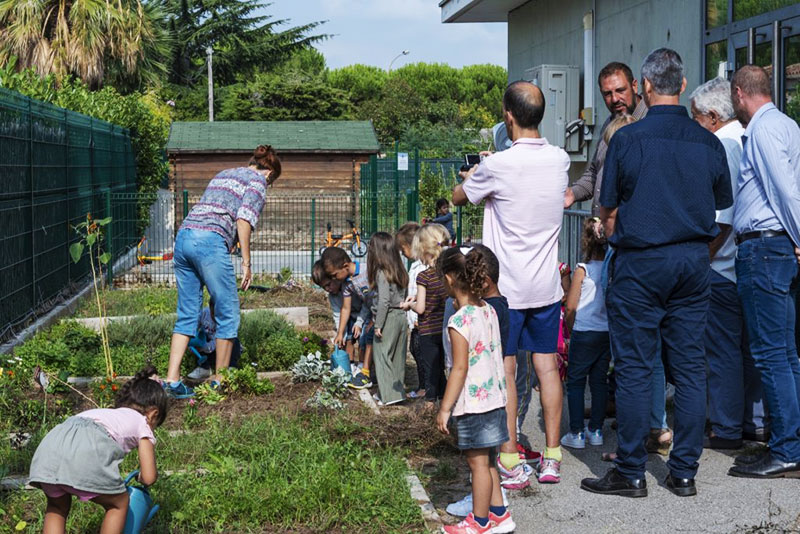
<point>318,157</point>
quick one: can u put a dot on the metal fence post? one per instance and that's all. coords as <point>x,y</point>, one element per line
<point>458,230</point>
<point>416,184</point>
<point>410,206</point>
<point>396,184</point>
<point>110,239</point>
<point>313,230</point>
<point>185,204</point>
<point>373,195</point>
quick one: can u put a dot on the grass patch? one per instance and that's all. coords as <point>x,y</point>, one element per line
<point>264,474</point>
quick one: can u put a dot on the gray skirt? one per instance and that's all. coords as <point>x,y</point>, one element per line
<point>79,453</point>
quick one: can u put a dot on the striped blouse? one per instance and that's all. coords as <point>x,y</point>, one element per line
<point>432,320</point>
<point>232,194</point>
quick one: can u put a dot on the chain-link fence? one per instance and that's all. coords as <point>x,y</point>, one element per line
<point>56,167</point>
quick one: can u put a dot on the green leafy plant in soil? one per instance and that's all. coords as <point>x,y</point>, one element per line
<point>262,474</point>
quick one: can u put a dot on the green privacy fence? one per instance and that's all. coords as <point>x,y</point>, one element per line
<point>56,167</point>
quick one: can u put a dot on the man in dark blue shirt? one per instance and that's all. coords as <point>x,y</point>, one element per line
<point>664,178</point>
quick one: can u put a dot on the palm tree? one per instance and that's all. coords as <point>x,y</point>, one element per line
<point>90,39</point>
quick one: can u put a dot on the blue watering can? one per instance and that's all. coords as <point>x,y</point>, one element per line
<point>140,506</point>
<point>340,358</point>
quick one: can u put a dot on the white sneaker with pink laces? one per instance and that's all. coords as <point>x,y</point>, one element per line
<point>549,471</point>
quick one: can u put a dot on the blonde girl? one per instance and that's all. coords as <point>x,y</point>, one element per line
<point>428,303</point>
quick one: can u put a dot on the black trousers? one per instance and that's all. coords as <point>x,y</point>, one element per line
<point>431,356</point>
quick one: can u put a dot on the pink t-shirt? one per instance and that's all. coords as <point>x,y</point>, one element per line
<point>524,191</point>
<point>125,426</point>
<point>485,386</point>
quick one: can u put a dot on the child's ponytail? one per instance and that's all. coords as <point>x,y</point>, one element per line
<point>593,241</point>
<point>141,393</point>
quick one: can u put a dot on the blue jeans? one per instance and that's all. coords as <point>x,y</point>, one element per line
<point>659,294</point>
<point>202,260</point>
<point>589,356</point>
<point>734,384</point>
<point>766,272</point>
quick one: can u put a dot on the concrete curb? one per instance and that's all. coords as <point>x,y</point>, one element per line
<point>298,316</point>
<point>418,493</point>
<point>369,401</point>
<point>86,380</point>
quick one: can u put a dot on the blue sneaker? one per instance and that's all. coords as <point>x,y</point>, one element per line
<point>214,385</point>
<point>178,390</point>
<point>594,437</point>
<point>574,440</point>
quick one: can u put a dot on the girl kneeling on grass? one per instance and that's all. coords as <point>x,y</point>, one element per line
<point>389,280</point>
<point>476,390</point>
<point>81,456</point>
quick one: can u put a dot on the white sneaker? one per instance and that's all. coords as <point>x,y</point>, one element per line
<point>199,373</point>
<point>574,440</point>
<point>516,478</point>
<point>594,437</point>
<point>463,507</point>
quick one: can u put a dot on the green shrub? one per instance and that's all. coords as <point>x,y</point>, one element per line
<point>245,381</point>
<point>313,343</point>
<point>149,332</point>
<point>67,346</point>
<point>254,330</point>
<point>279,352</point>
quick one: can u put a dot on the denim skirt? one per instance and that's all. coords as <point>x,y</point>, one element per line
<point>481,430</point>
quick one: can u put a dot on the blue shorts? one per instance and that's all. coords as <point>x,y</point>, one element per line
<point>367,336</point>
<point>534,329</point>
<point>481,430</point>
<point>202,260</point>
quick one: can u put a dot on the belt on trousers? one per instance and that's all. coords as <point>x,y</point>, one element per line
<point>746,236</point>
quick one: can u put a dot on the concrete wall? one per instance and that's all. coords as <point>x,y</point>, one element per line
<point>551,31</point>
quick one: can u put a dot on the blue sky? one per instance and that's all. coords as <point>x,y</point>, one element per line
<point>375,31</point>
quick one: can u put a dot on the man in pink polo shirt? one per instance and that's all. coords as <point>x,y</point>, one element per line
<point>524,187</point>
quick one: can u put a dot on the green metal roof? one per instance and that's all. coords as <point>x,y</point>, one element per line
<point>286,136</point>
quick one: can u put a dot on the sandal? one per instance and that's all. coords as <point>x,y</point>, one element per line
<point>655,443</point>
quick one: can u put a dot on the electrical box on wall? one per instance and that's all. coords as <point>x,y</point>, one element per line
<point>561,124</point>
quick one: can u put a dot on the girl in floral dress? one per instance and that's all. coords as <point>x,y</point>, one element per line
<point>476,390</point>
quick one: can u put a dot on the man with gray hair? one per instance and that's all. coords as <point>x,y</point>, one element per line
<point>734,384</point>
<point>664,177</point>
<point>767,225</point>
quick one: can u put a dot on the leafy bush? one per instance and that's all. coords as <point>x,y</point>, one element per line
<point>205,393</point>
<point>279,352</point>
<point>313,343</point>
<point>334,387</point>
<point>67,346</point>
<point>149,332</point>
<point>309,368</point>
<point>258,326</point>
<point>245,381</point>
<point>144,114</point>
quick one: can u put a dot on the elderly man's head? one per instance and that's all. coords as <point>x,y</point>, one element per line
<point>662,76</point>
<point>523,108</point>
<point>711,104</point>
<point>618,87</point>
<point>750,89</point>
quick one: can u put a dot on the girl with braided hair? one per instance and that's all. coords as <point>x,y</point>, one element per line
<point>81,456</point>
<point>476,389</point>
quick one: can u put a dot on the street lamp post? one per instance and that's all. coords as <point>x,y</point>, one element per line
<point>209,53</point>
<point>403,53</point>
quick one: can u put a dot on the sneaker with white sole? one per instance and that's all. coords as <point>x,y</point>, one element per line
<point>468,526</point>
<point>502,524</point>
<point>463,507</point>
<point>514,479</point>
<point>549,471</point>
<point>574,440</point>
<point>199,373</point>
<point>594,437</point>
<point>360,381</point>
